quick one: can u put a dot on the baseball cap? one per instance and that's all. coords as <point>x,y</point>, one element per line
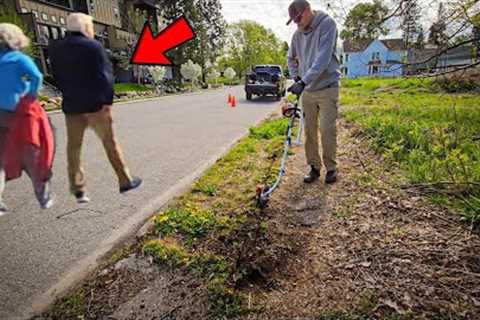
<point>296,8</point>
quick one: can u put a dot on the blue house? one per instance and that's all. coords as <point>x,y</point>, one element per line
<point>381,58</point>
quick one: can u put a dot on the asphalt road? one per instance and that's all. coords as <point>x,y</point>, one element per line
<point>168,142</point>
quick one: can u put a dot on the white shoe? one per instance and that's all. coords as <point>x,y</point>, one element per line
<point>48,204</point>
<point>82,198</point>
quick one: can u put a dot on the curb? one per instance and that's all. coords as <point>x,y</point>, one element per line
<point>138,224</point>
<point>126,101</point>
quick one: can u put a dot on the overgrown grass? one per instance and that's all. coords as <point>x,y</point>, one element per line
<point>130,87</point>
<point>434,136</point>
<point>191,221</point>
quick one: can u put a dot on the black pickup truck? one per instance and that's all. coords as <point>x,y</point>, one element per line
<point>265,79</point>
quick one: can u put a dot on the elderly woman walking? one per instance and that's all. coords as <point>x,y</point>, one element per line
<point>26,137</point>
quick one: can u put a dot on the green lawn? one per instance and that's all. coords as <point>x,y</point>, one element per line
<point>129,87</point>
<point>433,135</point>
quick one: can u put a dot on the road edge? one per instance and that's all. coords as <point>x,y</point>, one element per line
<point>87,265</point>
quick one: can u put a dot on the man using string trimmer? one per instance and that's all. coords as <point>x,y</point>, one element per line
<point>313,64</point>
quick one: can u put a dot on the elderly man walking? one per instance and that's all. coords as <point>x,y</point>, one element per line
<point>313,64</point>
<point>83,74</point>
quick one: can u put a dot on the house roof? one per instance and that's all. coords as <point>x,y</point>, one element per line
<point>394,44</point>
<point>357,46</point>
<point>151,3</point>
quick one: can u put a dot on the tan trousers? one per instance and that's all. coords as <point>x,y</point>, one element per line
<point>102,123</point>
<point>321,104</point>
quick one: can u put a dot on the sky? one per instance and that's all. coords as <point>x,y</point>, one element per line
<point>273,14</point>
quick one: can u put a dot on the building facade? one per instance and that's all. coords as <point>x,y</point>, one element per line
<point>378,58</point>
<point>47,20</point>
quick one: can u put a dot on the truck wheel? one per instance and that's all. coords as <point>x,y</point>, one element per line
<point>249,96</point>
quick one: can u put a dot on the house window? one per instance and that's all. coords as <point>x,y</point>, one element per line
<point>35,14</point>
<point>345,71</point>
<point>44,16</point>
<point>63,31</point>
<point>375,56</point>
<point>54,19</point>
<point>43,34</point>
<point>23,10</point>
<point>346,57</point>
<point>62,20</point>
<point>55,33</point>
<point>375,69</point>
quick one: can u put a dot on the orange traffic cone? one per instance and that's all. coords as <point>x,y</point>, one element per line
<point>234,102</point>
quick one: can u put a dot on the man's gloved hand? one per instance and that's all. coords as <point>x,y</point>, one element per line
<point>297,88</point>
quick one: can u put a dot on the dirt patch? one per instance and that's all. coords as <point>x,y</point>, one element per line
<point>169,296</point>
<point>369,249</point>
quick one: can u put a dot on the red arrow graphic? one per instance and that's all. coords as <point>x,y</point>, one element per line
<point>151,50</point>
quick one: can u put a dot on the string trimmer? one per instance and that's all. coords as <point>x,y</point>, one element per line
<point>292,112</point>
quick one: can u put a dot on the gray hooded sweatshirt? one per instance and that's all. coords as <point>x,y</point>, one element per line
<point>312,54</point>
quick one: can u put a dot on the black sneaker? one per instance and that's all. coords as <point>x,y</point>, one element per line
<point>331,176</point>
<point>3,209</point>
<point>82,197</point>
<point>135,183</point>
<point>312,176</point>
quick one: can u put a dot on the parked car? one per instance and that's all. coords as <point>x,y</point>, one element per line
<point>265,80</point>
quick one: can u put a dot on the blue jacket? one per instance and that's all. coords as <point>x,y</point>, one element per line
<point>82,72</point>
<point>19,76</point>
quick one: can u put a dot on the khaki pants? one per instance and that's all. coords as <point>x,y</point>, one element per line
<point>102,123</point>
<point>321,104</point>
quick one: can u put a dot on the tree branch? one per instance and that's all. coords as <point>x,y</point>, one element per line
<point>445,50</point>
<point>451,71</point>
